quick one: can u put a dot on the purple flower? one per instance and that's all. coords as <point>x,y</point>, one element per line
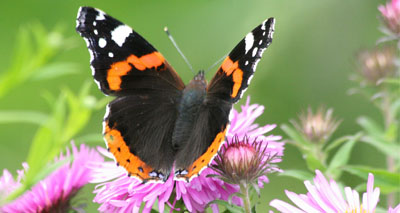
<point>394,210</point>
<point>119,193</point>
<point>54,193</point>
<point>391,15</point>
<point>326,196</point>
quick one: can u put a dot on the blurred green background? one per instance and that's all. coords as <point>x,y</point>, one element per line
<point>308,63</point>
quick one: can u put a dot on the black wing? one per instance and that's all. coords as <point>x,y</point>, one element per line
<point>140,121</point>
<point>226,88</point>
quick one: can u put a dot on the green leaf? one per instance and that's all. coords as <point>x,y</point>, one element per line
<point>313,163</point>
<point>371,127</point>
<point>298,139</point>
<point>231,208</point>
<point>389,149</point>
<point>342,157</point>
<point>55,70</point>
<point>337,143</point>
<point>47,170</point>
<point>253,210</point>
<point>395,107</point>
<point>90,138</point>
<point>14,116</point>
<point>298,174</point>
<point>394,81</point>
<point>388,182</point>
<point>35,48</point>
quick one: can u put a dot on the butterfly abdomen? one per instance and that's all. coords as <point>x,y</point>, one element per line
<point>192,98</point>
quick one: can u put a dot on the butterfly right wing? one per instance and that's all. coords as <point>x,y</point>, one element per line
<point>226,88</point>
<point>236,71</point>
<point>138,124</point>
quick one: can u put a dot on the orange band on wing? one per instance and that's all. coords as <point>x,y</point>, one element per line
<point>121,68</point>
<point>205,159</point>
<point>228,66</point>
<point>232,68</point>
<point>237,78</point>
<point>123,156</point>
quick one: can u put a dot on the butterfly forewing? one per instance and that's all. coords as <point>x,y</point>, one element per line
<point>236,71</point>
<point>121,59</point>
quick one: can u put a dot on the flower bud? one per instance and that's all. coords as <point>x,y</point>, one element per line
<point>377,64</point>
<point>317,127</point>
<point>241,161</point>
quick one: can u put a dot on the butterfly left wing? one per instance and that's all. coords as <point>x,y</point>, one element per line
<point>225,89</point>
<point>139,122</point>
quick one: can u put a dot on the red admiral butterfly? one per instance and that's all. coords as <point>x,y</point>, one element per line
<point>156,123</point>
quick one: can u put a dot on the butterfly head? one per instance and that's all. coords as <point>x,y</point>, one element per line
<point>198,82</point>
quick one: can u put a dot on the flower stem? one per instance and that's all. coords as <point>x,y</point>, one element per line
<point>388,119</point>
<point>244,189</point>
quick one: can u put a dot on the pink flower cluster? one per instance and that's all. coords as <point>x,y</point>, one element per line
<point>53,193</point>
<point>326,196</point>
<point>391,15</point>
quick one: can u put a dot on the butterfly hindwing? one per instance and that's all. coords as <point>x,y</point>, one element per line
<point>141,128</point>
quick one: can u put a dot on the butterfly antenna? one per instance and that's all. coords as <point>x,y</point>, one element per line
<point>177,48</point>
<point>217,62</point>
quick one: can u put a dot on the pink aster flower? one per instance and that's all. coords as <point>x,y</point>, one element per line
<point>394,210</point>
<point>54,193</point>
<point>326,196</point>
<point>119,193</point>
<point>391,15</point>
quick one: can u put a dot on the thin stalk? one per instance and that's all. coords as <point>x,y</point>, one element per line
<point>244,189</point>
<point>388,120</point>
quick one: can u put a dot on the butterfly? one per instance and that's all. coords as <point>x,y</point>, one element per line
<point>156,124</point>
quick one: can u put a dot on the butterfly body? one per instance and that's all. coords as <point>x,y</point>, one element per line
<point>156,124</point>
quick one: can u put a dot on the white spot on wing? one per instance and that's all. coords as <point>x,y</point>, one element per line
<point>102,42</point>
<point>93,71</point>
<point>94,23</point>
<point>119,34</point>
<point>263,24</point>
<point>249,40</point>
<point>95,32</point>
<point>100,16</point>
<point>87,42</point>
<point>249,80</point>
<point>107,111</point>
<point>246,63</point>
<point>79,13</point>
<point>242,92</point>
<point>110,54</point>
<point>98,84</point>
<point>105,117</point>
<point>90,50</point>
<point>259,43</point>
<point>254,51</point>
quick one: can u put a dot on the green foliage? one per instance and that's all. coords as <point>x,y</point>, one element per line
<point>69,114</point>
<point>35,48</point>
<point>388,182</point>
